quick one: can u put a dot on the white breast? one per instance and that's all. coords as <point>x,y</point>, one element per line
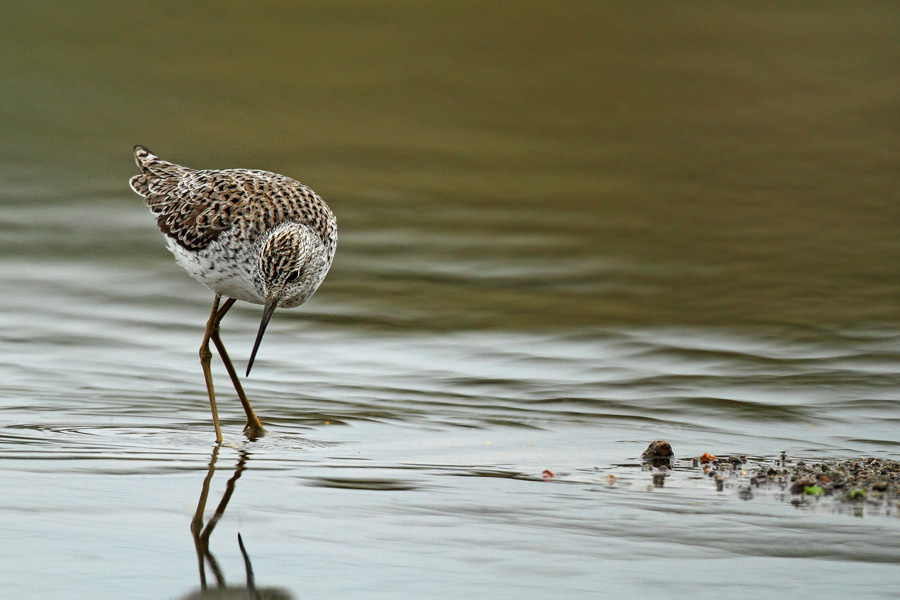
<point>226,266</point>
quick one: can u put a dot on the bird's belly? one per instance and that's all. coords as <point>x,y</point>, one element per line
<point>224,272</point>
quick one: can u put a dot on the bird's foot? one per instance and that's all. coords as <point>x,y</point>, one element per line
<point>254,430</point>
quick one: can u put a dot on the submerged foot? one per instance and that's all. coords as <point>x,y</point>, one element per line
<point>254,430</point>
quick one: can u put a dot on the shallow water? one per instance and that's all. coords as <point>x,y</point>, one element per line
<point>565,232</point>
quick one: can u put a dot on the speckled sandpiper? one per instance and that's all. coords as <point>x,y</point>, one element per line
<point>247,235</point>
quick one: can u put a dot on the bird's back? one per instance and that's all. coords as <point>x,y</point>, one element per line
<point>193,207</point>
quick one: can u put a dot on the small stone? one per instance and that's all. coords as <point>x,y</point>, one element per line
<point>659,453</point>
<point>799,486</point>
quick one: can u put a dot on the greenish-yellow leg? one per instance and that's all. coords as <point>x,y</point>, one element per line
<point>253,428</point>
<point>205,357</point>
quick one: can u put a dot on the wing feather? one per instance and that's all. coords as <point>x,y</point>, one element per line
<point>193,207</point>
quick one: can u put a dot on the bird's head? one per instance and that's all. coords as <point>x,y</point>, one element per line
<point>292,263</point>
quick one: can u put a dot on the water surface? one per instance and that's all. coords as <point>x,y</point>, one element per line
<point>564,232</point>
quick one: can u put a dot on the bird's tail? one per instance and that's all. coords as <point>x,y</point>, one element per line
<point>153,170</point>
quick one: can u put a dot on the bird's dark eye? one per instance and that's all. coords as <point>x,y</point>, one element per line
<point>293,276</point>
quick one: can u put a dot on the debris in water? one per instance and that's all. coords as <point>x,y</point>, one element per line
<point>659,454</point>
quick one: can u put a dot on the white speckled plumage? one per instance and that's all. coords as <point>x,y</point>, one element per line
<point>240,232</point>
<point>247,235</point>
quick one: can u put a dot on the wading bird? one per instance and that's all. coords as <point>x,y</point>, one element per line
<point>247,235</point>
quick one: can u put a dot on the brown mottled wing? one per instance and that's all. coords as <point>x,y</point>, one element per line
<point>194,207</point>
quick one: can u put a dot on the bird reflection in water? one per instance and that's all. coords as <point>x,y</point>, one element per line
<point>202,533</point>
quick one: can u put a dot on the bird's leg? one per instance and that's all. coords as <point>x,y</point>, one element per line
<point>253,428</point>
<point>205,357</point>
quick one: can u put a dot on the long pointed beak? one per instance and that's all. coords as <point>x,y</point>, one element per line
<point>267,314</point>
